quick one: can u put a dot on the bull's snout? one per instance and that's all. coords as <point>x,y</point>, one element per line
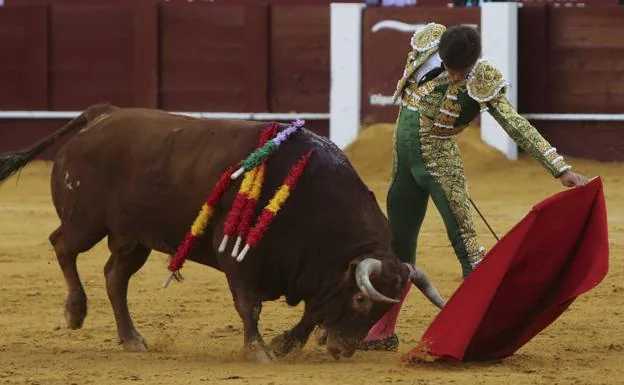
<point>340,351</point>
<point>338,348</point>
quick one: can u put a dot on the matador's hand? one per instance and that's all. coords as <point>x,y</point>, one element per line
<point>572,179</point>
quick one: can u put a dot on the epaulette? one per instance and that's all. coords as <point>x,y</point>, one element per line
<point>484,81</point>
<point>428,37</point>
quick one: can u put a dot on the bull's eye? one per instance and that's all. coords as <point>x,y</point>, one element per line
<point>360,302</point>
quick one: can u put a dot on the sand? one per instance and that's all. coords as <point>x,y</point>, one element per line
<point>195,333</point>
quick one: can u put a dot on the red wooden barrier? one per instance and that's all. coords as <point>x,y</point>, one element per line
<point>533,59</point>
<point>586,68</point>
<point>300,68</point>
<point>23,53</point>
<point>214,58</point>
<point>225,57</point>
<point>102,53</point>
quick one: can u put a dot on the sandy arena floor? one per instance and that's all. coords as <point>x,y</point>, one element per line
<point>195,332</point>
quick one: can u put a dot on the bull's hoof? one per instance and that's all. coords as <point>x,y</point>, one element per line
<point>389,344</point>
<point>283,344</point>
<point>258,352</point>
<point>136,344</point>
<point>75,309</point>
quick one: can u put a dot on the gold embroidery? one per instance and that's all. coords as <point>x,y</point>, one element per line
<point>424,44</point>
<point>395,157</point>
<point>447,116</point>
<point>428,37</point>
<point>449,107</point>
<point>484,81</point>
<point>444,120</point>
<point>526,136</point>
<point>443,161</point>
<point>422,98</point>
<point>410,68</point>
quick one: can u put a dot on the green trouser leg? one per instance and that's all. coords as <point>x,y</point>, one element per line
<point>406,206</point>
<point>412,185</point>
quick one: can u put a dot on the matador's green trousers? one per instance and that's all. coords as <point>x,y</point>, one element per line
<point>428,167</point>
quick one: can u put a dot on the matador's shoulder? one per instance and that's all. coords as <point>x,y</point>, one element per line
<point>484,81</point>
<point>428,37</point>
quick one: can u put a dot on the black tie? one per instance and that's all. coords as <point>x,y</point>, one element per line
<point>432,74</point>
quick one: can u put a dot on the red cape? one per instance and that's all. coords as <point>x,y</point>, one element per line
<point>530,277</point>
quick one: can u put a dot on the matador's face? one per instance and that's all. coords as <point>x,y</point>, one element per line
<point>458,75</point>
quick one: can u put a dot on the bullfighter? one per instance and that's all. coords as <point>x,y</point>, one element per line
<point>444,86</point>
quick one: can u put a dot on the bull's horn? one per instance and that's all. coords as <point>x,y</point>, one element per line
<point>420,280</point>
<point>362,277</point>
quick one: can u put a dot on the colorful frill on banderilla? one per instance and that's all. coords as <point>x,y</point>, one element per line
<point>244,203</point>
<point>239,218</point>
<point>271,209</point>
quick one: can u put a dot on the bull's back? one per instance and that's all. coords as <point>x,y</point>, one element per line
<point>144,173</point>
<point>156,141</point>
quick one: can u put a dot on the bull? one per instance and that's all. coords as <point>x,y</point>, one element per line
<point>139,176</point>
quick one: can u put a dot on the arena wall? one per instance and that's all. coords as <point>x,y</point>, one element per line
<point>569,62</point>
<point>176,56</point>
<point>274,57</point>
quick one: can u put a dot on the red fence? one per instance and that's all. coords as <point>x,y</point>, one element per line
<point>248,56</point>
<point>176,56</point>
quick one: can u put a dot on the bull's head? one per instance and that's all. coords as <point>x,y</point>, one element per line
<point>369,289</point>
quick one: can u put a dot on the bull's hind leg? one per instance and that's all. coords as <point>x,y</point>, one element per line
<point>76,303</point>
<point>126,258</point>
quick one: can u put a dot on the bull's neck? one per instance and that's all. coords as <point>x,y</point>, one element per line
<point>335,264</point>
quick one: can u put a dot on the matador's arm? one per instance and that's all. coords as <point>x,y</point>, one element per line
<point>526,136</point>
<point>486,86</point>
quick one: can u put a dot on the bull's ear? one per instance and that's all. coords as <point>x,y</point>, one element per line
<point>349,274</point>
<point>367,269</point>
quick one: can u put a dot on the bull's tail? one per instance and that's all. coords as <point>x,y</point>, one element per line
<point>12,162</point>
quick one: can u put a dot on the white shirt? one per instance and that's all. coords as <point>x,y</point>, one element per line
<point>429,64</point>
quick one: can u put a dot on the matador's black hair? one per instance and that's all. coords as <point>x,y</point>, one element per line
<point>460,47</point>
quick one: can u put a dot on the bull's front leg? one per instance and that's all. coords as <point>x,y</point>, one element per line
<point>295,338</point>
<point>249,307</point>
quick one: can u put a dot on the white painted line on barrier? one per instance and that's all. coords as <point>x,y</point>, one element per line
<point>382,100</point>
<point>404,27</point>
<point>201,115</point>
<point>577,117</point>
<point>386,100</point>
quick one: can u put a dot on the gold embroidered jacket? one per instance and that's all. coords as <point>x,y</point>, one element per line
<point>451,106</point>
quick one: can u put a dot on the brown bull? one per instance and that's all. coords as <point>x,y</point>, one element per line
<point>139,177</point>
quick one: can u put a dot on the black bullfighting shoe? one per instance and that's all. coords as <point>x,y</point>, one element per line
<point>390,344</point>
